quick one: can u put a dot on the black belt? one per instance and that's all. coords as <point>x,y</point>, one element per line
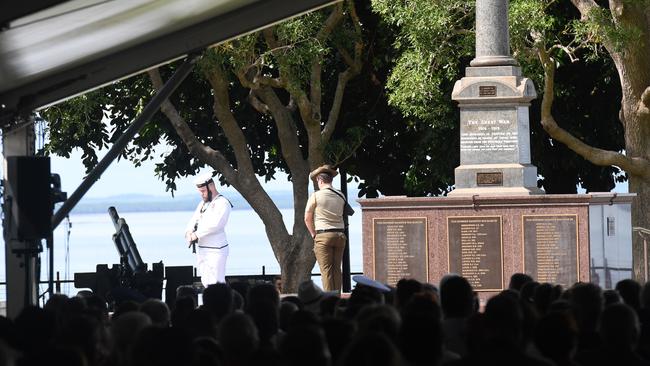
<point>330,231</point>
<point>201,246</point>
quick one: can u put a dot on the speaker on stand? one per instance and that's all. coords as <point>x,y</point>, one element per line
<point>28,211</point>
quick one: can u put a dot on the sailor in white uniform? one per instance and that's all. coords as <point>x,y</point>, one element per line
<point>206,230</point>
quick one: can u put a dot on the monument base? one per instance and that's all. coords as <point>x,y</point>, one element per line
<point>496,191</point>
<point>559,239</point>
<point>496,179</point>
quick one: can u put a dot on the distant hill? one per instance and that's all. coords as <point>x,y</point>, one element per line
<point>151,203</point>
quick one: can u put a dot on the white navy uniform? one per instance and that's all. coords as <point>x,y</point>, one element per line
<point>210,219</point>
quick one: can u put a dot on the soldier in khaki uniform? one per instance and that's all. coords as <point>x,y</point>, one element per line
<point>324,220</point>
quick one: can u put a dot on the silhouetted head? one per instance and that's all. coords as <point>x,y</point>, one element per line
<point>420,337</point>
<point>338,334</point>
<point>158,311</point>
<point>126,328</point>
<point>630,292</point>
<point>85,333</point>
<point>527,291</point>
<point>263,292</point>
<point>362,296</point>
<point>305,345</point>
<point>517,280</point>
<point>207,351</point>
<point>611,297</point>
<point>556,336</point>
<point>182,308</point>
<point>125,307</point>
<point>238,337</point>
<point>34,327</point>
<point>586,301</point>
<point>374,349</point>
<point>217,299</point>
<point>379,319</point>
<point>187,291</point>
<point>405,290</point>
<point>456,297</point>
<point>200,323</point>
<point>161,347</point>
<point>287,308</point>
<point>265,314</point>
<point>619,327</point>
<point>503,321</point>
<point>544,296</point>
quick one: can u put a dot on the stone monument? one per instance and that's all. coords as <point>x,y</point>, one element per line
<point>493,99</point>
<point>497,222</point>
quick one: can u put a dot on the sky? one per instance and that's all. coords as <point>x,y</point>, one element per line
<point>122,177</point>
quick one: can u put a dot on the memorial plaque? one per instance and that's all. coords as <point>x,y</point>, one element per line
<point>551,248</point>
<point>400,249</point>
<point>487,91</point>
<point>487,137</point>
<point>489,179</point>
<point>476,250</point>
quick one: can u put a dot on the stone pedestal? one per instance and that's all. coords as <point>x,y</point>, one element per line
<point>488,238</point>
<point>494,133</point>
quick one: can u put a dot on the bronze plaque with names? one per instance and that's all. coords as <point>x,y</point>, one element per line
<point>476,250</point>
<point>400,249</point>
<point>487,91</point>
<point>551,248</point>
<point>489,179</point>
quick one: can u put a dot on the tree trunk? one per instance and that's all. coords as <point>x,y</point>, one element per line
<point>293,252</point>
<point>632,64</point>
<point>298,263</point>
<point>640,218</point>
<point>638,144</point>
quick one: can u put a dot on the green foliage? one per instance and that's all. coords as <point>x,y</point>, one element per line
<point>434,39</point>
<point>94,120</point>
<point>399,155</point>
<point>599,29</point>
<point>527,17</point>
<point>341,149</point>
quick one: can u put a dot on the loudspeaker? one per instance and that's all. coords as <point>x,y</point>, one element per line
<point>29,196</point>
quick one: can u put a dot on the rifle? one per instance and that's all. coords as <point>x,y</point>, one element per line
<point>193,242</point>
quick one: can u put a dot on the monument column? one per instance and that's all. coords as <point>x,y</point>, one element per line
<point>492,38</point>
<point>493,99</point>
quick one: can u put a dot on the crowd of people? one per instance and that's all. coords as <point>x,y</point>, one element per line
<point>412,324</point>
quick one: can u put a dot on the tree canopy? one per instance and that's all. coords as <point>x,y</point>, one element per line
<point>265,102</point>
<point>434,42</point>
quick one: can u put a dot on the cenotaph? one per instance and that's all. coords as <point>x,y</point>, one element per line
<point>493,99</point>
<point>497,222</point>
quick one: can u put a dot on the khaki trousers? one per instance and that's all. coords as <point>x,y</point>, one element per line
<point>328,248</point>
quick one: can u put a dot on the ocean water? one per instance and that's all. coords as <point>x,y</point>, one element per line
<point>87,241</point>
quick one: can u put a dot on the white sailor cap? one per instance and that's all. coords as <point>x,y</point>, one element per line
<point>203,180</point>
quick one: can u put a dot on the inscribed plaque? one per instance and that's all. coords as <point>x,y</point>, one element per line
<point>489,179</point>
<point>476,251</point>
<point>488,137</point>
<point>551,248</point>
<point>487,91</point>
<point>400,249</point>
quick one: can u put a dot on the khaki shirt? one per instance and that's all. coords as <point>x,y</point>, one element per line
<point>327,207</point>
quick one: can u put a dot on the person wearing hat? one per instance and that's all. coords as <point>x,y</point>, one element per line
<point>310,295</point>
<point>206,230</point>
<point>324,220</point>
